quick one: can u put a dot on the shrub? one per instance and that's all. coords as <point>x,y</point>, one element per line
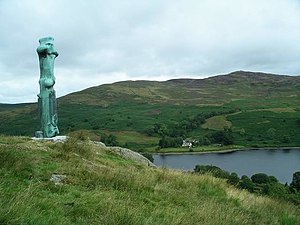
<point>214,170</point>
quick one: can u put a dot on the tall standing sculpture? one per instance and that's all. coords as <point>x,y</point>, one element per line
<point>46,97</point>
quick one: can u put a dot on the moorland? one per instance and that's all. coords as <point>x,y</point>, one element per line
<point>237,110</point>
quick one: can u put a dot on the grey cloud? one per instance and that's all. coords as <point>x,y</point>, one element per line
<point>110,40</point>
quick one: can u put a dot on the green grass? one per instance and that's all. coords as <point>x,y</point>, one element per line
<point>102,188</point>
<point>256,125</point>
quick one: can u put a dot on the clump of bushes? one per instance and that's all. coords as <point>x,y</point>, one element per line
<point>259,183</point>
<point>148,156</point>
<point>166,142</point>
<point>213,170</point>
<point>109,140</point>
<point>171,135</point>
<point>224,137</point>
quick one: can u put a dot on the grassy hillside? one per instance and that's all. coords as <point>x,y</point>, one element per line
<point>261,110</point>
<point>102,188</point>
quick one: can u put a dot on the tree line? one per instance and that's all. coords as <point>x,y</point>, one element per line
<point>172,136</point>
<point>259,183</point>
<point>224,137</point>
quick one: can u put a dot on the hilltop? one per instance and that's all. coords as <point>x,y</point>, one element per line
<point>213,90</point>
<point>100,187</point>
<point>261,110</point>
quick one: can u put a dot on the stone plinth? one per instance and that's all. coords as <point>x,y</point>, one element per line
<point>53,139</point>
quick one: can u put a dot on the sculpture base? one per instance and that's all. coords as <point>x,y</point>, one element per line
<point>39,134</point>
<point>53,139</point>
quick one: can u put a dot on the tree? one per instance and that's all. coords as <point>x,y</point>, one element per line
<point>296,181</point>
<point>159,128</point>
<point>233,179</point>
<point>277,190</point>
<point>166,142</point>
<point>214,170</point>
<point>285,139</point>
<point>265,189</point>
<point>103,138</point>
<point>260,178</point>
<point>204,141</point>
<point>271,133</point>
<point>242,132</point>
<point>148,156</point>
<point>222,137</point>
<point>298,122</point>
<point>246,183</point>
<point>110,140</point>
<point>273,179</point>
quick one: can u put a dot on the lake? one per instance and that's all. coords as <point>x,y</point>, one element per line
<point>281,163</point>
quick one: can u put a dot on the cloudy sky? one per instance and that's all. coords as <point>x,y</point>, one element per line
<point>104,41</point>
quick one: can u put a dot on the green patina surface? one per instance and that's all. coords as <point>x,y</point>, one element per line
<point>46,97</point>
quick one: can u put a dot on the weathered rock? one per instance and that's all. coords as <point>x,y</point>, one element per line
<point>57,178</point>
<point>129,154</point>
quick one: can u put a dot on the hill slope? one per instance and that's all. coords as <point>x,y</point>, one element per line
<point>214,90</point>
<point>261,110</point>
<point>99,187</point>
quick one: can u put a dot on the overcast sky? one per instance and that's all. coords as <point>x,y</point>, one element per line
<point>103,41</point>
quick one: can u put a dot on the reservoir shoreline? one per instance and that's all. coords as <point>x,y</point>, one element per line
<point>224,151</point>
<point>280,162</point>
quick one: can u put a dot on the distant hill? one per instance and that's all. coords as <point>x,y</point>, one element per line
<point>260,109</point>
<point>213,90</point>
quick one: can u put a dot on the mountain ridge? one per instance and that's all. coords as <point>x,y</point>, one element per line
<point>167,91</point>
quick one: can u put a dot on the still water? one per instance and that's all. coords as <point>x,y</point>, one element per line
<point>281,163</point>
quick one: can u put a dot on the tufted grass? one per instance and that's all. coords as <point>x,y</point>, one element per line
<point>102,188</point>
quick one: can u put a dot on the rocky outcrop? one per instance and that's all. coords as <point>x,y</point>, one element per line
<point>129,154</point>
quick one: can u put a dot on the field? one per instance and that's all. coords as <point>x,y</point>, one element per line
<point>100,187</point>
